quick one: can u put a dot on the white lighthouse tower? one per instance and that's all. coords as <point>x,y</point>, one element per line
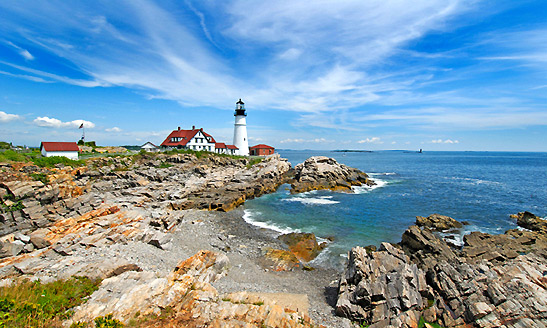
<point>240,129</point>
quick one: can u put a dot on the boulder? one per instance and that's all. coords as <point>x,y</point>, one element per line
<point>320,172</point>
<point>279,260</point>
<point>303,245</point>
<point>438,222</point>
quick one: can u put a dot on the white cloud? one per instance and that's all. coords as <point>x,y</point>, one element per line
<point>114,129</point>
<point>5,117</point>
<point>23,52</point>
<point>447,141</point>
<point>56,123</point>
<point>373,140</point>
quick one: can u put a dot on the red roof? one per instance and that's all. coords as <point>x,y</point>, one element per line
<point>59,146</point>
<point>262,146</point>
<point>220,145</point>
<point>231,147</point>
<point>185,135</point>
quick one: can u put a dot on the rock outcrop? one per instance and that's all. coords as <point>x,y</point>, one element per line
<point>192,300</point>
<point>321,172</point>
<point>438,222</point>
<point>495,280</point>
<point>382,288</point>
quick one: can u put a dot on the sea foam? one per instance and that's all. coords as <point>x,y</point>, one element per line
<point>322,200</point>
<point>249,215</point>
<point>364,188</point>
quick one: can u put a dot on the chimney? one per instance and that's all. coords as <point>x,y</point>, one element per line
<point>193,127</point>
<point>179,128</point>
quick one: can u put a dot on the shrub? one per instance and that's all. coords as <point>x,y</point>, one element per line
<point>33,304</point>
<point>40,177</point>
<point>107,322</point>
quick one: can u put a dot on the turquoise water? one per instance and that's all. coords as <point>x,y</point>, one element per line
<point>483,188</point>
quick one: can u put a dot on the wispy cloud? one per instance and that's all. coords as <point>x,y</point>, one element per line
<point>56,123</point>
<point>5,117</point>
<point>300,140</point>
<point>114,129</point>
<point>23,52</point>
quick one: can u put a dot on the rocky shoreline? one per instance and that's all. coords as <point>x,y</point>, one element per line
<point>165,232</point>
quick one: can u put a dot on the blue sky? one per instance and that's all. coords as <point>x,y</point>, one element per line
<point>437,75</point>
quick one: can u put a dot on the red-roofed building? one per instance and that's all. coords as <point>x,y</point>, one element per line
<point>66,149</point>
<point>261,150</point>
<point>195,139</point>
<point>222,148</point>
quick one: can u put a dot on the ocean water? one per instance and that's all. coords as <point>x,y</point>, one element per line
<point>482,188</point>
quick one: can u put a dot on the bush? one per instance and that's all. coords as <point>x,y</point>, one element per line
<point>107,322</point>
<point>33,304</point>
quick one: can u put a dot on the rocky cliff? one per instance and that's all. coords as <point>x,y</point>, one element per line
<point>493,281</point>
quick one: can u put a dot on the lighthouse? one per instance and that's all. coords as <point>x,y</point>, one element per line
<point>240,129</point>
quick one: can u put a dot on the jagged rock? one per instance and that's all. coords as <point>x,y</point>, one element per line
<point>382,288</point>
<point>426,248</point>
<point>303,245</point>
<point>530,221</point>
<point>321,172</point>
<point>437,222</point>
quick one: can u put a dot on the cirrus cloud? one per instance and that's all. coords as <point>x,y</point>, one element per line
<point>373,140</point>
<point>447,141</point>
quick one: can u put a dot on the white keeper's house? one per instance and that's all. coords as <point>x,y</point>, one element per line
<point>66,149</point>
<point>196,139</point>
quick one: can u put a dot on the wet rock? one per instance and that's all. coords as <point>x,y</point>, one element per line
<point>532,222</point>
<point>438,222</point>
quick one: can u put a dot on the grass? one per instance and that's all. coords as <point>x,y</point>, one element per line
<point>13,156</point>
<point>54,160</point>
<point>34,304</point>
<point>164,165</point>
<point>40,177</point>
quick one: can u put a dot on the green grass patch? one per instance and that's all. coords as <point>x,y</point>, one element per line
<point>34,304</point>
<point>422,322</point>
<point>54,160</point>
<point>16,206</point>
<point>13,156</point>
<point>40,177</point>
<point>254,161</point>
<point>164,165</point>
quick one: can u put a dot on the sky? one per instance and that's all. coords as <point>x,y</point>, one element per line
<point>365,74</point>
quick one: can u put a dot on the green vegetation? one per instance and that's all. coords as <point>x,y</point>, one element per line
<point>33,304</point>
<point>422,322</point>
<point>164,165</point>
<point>107,322</point>
<point>40,177</point>
<point>13,156</point>
<point>52,161</point>
<point>4,145</point>
<point>16,206</point>
<point>87,143</point>
<point>254,161</point>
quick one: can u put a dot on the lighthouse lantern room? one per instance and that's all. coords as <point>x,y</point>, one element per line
<point>240,129</point>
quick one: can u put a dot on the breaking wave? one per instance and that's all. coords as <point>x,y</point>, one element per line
<point>249,215</point>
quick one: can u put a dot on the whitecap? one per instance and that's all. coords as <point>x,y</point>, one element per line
<point>323,200</point>
<point>248,217</point>
<point>385,173</point>
<point>364,188</point>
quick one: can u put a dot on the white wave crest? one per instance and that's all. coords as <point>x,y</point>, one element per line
<point>364,188</point>
<point>248,217</point>
<point>323,200</point>
<point>385,173</point>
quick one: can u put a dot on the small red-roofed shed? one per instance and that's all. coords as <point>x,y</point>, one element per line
<point>261,150</point>
<point>66,149</point>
